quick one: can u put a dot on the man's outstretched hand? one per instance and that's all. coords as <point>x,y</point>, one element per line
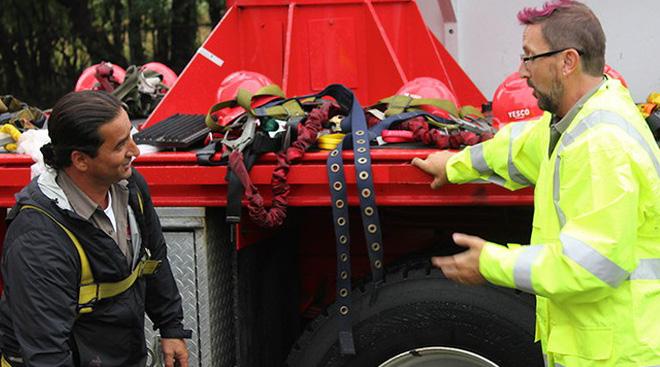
<point>464,267</point>
<point>435,165</point>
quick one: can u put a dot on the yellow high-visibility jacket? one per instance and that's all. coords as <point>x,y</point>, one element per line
<point>594,258</point>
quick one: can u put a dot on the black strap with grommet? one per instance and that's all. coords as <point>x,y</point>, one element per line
<point>359,140</point>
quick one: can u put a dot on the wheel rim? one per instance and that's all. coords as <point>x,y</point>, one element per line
<point>438,356</point>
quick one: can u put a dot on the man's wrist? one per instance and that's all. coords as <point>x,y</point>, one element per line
<point>175,333</point>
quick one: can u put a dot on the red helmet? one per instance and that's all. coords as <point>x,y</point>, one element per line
<point>425,87</point>
<point>228,90</point>
<point>513,101</point>
<point>169,76</point>
<point>89,81</point>
<point>614,74</point>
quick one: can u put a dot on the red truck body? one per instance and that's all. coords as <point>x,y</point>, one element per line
<point>372,47</point>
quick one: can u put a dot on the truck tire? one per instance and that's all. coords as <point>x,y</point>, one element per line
<point>419,318</point>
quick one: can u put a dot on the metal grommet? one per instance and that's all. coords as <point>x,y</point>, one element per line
<point>343,292</point>
<point>343,310</point>
<point>363,175</point>
<point>339,203</point>
<point>334,168</point>
<point>343,257</point>
<point>362,160</point>
<point>344,275</point>
<point>359,132</point>
<point>366,193</point>
<point>369,211</point>
<point>378,264</point>
<point>361,149</point>
<point>375,246</point>
<point>337,185</point>
<point>334,153</point>
<point>360,141</point>
<point>372,228</point>
<point>343,239</point>
<point>341,221</point>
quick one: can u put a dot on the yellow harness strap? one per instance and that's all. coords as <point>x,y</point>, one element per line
<point>5,363</point>
<point>91,292</point>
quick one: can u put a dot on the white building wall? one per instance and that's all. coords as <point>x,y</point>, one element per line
<point>488,39</point>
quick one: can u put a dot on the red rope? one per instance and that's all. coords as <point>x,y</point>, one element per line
<point>275,216</point>
<point>438,138</point>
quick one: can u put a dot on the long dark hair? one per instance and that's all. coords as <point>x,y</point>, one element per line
<point>74,125</point>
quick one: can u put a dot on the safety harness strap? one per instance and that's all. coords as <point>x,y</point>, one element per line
<point>399,104</point>
<point>359,139</point>
<point>288,109</point>
<point>244,97</point>
<point>90,292</point>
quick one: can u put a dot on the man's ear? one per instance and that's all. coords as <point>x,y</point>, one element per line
<point>79,161</point>
<point>571,62</point>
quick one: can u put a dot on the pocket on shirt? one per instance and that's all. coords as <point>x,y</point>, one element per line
<point>595,343</point>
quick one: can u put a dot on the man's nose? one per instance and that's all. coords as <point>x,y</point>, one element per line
<point>522,70</point>
<point>133,150</point>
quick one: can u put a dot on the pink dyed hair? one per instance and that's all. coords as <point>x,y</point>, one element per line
<point>570,24</point>
<point>534,15</point>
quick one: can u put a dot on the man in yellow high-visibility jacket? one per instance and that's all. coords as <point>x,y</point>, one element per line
<point>594,258</point>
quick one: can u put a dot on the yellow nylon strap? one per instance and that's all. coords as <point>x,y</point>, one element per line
<point>90,291</point>
<point>140,202</point>
<point>86,276</point>
<point>329,141</point>
<point>95,292</point>
<point>5,363</point>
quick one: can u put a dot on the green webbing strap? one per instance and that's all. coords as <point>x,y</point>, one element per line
<point>91,292</point>
<point>129,84</point>
<point>210,122</point>
<point>468,110</point>
<point>244,97</point>
<point>288,109</point>
<point>399,104</point>
<point>283,110</point>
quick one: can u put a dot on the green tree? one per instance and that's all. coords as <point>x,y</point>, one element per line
<point>46,44</point>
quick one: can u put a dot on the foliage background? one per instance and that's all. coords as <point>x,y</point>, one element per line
<point>46,44</point>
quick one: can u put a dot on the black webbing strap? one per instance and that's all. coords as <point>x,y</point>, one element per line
<point>262,143</point>
<point>356,123</point>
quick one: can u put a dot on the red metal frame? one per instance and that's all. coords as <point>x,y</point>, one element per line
<point>175,179</point>
<point>371,46</point>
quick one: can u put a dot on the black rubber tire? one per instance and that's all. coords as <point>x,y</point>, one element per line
<point>417,307</point>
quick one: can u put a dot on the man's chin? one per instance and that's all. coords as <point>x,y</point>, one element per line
<point>126,172</point>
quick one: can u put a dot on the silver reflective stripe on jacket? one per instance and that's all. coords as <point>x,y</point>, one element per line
<point>522,270</point>
<point>517,177</point>
<point>647,269</point>
<point>597,117</point>
<point>587,257</point>
<point>590,259</point>
<point>480,165</point>
<point>546,364</point>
